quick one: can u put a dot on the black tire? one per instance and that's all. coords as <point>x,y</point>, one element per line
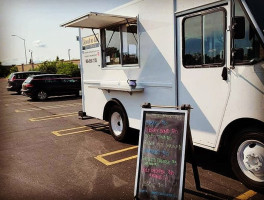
<point>118,123</point>
<point>77,94</point>
<point>247,158</point>
<point>42,95</point>
<point>34,98</point>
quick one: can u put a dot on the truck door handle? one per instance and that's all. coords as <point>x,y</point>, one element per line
<point>224,73</point>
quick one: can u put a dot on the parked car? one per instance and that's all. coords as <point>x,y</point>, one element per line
<point>16,79</point>
<point>42,86</point>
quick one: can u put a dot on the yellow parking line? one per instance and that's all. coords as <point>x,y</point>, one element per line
<point>69,129</point>
<point>59,133</point>
<point>48,107</point>
<point>52,117</point>
<point>106,162</point>
<point>28,110</point>
<point>246,195</point>
<point>18,104</point>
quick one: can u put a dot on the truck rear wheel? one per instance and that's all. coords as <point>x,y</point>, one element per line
<point>247,158</point>
<point>118,123</point>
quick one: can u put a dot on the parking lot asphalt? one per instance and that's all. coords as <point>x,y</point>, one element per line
<point>47,152</point>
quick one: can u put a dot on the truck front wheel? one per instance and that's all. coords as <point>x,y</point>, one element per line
<point>247,158</point>
<point>118,123</point>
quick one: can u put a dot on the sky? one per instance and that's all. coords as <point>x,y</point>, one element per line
<point>38,22</point>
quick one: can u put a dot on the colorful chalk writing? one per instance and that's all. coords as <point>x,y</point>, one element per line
<point>156,152</point>
<point>155,123</point>
<point>158,173</point>
<point>161,130</point>
<point>162,137</point>
<point>161,155</point>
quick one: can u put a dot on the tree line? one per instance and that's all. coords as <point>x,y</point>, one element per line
<point>49,67</point>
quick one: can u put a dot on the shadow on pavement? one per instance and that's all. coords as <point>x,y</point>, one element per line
<point>210,195</point>
<point>214,162</point>
<point>57,98</point>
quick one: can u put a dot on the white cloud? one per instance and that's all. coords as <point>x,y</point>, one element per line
<point>39,43</point>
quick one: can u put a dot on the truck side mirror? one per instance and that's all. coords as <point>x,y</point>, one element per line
<point>239,27</point>
<point>239,54</point>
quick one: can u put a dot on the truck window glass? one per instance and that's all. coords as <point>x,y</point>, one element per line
<point>193,41</point>
<point>113,45</point>
<point>129,41</point>
<point>120,44</point>
<point>256,8</point>
<point>249,47</point>
<point>213,38</point>
<point>204,40</point>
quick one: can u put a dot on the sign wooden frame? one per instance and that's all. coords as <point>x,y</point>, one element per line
<point>164,174</point>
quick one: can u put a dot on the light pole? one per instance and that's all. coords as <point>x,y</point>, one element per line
<point>31,55</point>
<point>69,54</point>
<point>24,45</point>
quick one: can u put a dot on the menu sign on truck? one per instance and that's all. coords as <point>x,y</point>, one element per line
<point>160,165</point>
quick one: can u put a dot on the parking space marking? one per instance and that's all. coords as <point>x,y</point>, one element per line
<point>246,195</point>
<point>53,117</point>
<point>77,130</point>
<point>48,107</point>
<point>108,163</point>
<point>58,133</point>
<point>17,104</point>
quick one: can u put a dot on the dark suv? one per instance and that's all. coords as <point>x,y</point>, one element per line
<point>42,86</point>
<point>16,79</point>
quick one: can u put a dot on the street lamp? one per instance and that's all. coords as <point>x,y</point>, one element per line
<point>24,45</point>
<point>31,55</point>
<point>69,54</point>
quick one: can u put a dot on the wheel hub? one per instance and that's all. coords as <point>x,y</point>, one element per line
<point>252,162</point>
<point>117,123</point>
<point>42,95</point>
<point>250,157</point>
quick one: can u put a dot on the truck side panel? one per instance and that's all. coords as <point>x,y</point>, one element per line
<point>155,73</point>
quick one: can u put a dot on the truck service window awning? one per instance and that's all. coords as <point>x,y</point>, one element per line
<point>98,20</point>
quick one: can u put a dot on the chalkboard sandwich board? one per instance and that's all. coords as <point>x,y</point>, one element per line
<point>161,153</point>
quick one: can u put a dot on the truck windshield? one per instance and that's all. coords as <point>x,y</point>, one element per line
<point>256,8</point>
<point>249,49</point>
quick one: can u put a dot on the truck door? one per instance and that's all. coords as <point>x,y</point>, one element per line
<point>201,62</point>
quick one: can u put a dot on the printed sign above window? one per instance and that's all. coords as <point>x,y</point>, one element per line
<point>90,42</point>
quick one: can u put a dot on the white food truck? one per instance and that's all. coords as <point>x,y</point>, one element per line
<point>206,53</point>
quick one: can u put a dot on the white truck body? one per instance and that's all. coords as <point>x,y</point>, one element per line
<point>160,74</point>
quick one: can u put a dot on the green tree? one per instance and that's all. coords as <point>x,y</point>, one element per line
<point>48,67</point>
<point>59,67</point>
<point>68,68</point>
<point>13,69</point>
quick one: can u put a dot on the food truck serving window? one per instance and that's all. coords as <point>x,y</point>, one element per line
<point>118,37</point>
<point>120,45</point>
